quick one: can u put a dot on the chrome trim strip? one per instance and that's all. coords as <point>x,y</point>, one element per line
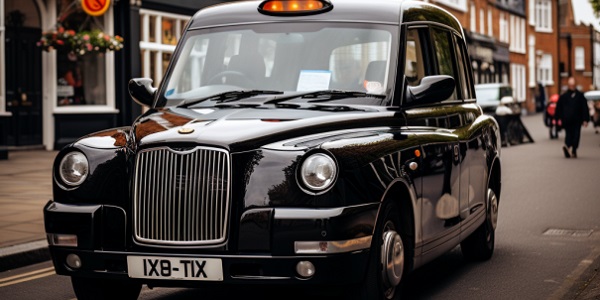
<point>311,213</point>
<point>330,247</point>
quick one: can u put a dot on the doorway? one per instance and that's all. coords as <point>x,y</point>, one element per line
<point>23,75</point>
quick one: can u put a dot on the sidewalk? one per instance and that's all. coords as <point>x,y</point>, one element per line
<point>26,186</point>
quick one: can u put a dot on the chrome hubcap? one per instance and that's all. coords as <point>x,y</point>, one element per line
<point>493,200</point>
<point>392,258</point>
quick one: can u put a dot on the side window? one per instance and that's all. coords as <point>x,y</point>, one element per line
<point>414,68</point>
<point>464,69</point>
<point>442,42</point>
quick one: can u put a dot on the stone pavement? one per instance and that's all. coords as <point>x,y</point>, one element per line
<point>26,186</point>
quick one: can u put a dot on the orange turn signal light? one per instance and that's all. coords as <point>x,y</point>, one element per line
<point>294,7</point>
<point>418,153</point>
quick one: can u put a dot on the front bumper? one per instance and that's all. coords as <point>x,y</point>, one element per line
<point>335,269</point>
<point>100,237</point>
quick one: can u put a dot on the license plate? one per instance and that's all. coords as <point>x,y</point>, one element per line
<point>175,268</point>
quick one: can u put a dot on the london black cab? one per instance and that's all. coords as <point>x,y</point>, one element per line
<point>305,143</point>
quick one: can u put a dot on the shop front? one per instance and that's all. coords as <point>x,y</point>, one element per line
<point>66,64</point>
<point>58,71</point>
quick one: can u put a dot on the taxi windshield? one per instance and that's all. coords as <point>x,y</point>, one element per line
<point>287,58</point>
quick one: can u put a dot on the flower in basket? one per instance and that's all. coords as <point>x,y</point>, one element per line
<point>79,42</point>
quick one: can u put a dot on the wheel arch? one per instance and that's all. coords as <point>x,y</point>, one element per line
<point>403,196</point>
<point>495,177</point>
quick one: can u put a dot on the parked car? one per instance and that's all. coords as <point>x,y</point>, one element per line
<point>489,96</point>
<point>318,143</point>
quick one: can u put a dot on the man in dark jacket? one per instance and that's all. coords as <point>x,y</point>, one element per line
<point>572,109</point>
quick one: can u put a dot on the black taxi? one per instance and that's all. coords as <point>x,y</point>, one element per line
<point>303,143</point>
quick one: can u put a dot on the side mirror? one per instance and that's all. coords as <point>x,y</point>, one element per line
<point>432,89</point>
<point>142,91</point>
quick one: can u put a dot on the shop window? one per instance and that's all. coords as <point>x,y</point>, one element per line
<point>159,34</point>
<point>81,78</point>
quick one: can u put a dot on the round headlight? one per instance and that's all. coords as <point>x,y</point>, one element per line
<point>318,172</point>
<point>73,168</point>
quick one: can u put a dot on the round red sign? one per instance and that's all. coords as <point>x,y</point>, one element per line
<point>95,7</point>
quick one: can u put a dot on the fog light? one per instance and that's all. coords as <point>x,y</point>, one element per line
<point>305,269</point>
<point>73,261</point>
<point>65,240</point>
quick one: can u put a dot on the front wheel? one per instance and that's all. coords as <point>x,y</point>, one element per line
<point>100,289</point>
<point>479,246</point>
<point>387,259</point>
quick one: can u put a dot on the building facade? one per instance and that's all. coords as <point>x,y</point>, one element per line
<point>50,98</point>
<point>579,45</point>
<point>512,42</point>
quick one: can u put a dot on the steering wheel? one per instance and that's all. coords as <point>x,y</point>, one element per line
<point>239,78</point>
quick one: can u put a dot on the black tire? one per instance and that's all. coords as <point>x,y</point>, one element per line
<point>479,246</point>
<point>90,288</point>
<point>379,283</point>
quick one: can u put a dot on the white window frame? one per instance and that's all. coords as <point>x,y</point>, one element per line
<point>147,47</point>
<point>543,15</point>
<point>517,76</point>
<point>473,16</point>
<point>532,12</point>
<point>579,58</point>
<point>460,5</point>
<point>544,70</point>
<point>503,25</point>
<point>490,23</point>
<point>109,56</point>
<point>3,112</point>
<point>596,78</point>
<point>531,64</point>
<point>481,21</point>
<point>517,34</point>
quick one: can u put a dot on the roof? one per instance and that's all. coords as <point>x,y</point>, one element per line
<point>583,14</point>
<point>375,11</point>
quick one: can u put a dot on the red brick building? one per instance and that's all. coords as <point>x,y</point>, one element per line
<point>579,45</point>
<point>513,42</point>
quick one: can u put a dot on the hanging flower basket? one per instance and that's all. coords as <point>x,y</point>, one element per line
<point>81,42</point>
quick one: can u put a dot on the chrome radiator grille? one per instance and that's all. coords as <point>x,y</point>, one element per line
<point>181,197</point>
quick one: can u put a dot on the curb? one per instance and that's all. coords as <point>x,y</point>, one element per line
<point>17,256</point>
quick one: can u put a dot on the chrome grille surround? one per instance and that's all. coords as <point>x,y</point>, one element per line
<point>181,198</point>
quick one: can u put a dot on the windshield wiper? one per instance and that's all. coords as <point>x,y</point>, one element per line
<point>326,95</point>
<point>229,96</point>
<point>336,95</point>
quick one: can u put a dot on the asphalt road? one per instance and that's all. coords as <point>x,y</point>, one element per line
<point>547,241</point>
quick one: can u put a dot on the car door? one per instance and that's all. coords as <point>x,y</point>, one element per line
<point>472,143</point>
<point>438,181</point>
<point>462,114</point>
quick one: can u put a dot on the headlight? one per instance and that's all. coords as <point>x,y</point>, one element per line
<point>73,168</point>
<point>318,172</point>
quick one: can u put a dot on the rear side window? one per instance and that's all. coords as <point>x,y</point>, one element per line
<point>462,63</point>
<point>443,46</point>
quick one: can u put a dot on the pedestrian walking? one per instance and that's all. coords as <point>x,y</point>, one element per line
<point>572,110</point>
